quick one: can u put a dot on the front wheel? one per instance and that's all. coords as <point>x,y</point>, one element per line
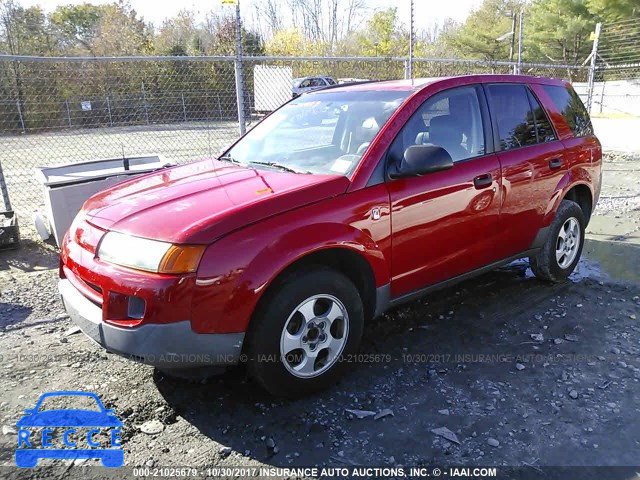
<point>303,330</point>
<point>561,252</point>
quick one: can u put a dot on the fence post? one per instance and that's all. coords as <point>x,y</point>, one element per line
<point>219,106</point>
<point>66,104</point>
<point>184,108</point>
<point>238,71</point>
<point>520,40</point>
<point>109,110</point>
<point>20,115</point>
<point>4,191</point>
<point>144,100</point>
<point>592,68</point>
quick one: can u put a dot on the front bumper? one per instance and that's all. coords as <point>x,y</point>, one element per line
<point>170,346</point>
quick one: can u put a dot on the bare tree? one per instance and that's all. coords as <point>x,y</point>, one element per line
<point>269,17</point>
<point>325,21</point>
<point>354,17</point>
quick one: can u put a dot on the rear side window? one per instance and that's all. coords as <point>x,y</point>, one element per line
<point>509,105</point>
<point>572,109</point>
<point>520,119</point>
<point>543,125</point>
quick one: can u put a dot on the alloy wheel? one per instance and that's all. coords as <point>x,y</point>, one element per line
<point>314,336</point>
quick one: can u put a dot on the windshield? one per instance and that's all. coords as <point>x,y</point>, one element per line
<point>322,133</point>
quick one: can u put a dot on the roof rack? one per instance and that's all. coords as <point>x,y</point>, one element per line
<point>339,85</point>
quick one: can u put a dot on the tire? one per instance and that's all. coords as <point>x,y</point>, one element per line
<point>549,264</point>
<point>302,331</point>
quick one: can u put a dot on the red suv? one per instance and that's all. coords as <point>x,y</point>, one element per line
<point>339,205</point>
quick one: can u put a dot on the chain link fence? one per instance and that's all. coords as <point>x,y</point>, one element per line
<point>616,90</point>
<point>61,110</point>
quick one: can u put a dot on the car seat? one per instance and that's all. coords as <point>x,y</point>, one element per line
<point>446,131</point>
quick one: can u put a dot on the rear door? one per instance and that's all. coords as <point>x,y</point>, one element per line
<point>533,161</point>
<point>444,223</point>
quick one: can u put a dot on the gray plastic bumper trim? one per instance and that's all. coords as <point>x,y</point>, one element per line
<point>172,345</point>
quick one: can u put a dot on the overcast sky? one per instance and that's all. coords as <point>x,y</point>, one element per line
<point>427,12</point>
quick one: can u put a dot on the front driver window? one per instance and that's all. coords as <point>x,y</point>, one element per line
<point>451,120</point>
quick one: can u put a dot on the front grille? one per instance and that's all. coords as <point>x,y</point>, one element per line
<point>92,292</point>
<point>92,285</point>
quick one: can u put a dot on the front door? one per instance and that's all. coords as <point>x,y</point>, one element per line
<point>444,223</point>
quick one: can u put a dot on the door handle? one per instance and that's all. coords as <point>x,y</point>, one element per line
<point>555,164</point>
<point>483,181</point>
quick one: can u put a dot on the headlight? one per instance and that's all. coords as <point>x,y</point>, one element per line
<point>79,218</point>
<point>149,255</point>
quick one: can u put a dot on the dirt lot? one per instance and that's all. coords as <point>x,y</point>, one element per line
<point>523,373</point>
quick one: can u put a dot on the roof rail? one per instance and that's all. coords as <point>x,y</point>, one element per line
<point>338,85</point>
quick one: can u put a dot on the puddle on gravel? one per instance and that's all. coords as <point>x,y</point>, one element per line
<point>589,268</point>
<point>600,261</point>
<point>617,260</point>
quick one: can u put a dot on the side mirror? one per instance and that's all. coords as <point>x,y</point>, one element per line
<point>420,160</point>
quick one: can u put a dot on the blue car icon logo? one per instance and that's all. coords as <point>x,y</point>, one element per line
<point>30,450</point>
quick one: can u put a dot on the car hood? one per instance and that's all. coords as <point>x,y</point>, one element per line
<point>201,201</point>
<point>69,418</point>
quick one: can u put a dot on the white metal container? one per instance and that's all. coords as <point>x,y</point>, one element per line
<point>271,87</point>
<point>66,187</point>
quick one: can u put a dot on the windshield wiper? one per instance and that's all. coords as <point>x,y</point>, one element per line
<point>284,168</point>
<point>229,158</point>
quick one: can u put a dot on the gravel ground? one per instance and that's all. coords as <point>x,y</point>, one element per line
<point>520,372</point>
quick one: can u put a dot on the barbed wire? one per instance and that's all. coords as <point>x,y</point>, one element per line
<point>620,42</point>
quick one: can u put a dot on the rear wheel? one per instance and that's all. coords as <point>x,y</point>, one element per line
<point>561,252</point>
<point>302,331</point>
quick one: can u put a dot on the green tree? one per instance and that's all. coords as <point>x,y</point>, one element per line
<point>478,37</point>
<point>383,35</point>
<point>101,30</point>
<point>292,43</point>
<point>24,31</point>
<point>77,26</point>
<point>558,31</point>
<point>224,40</point>
<point>180,33</point>
<point>434,44</point>
<point>121,32</point>
<point>613,10</point>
